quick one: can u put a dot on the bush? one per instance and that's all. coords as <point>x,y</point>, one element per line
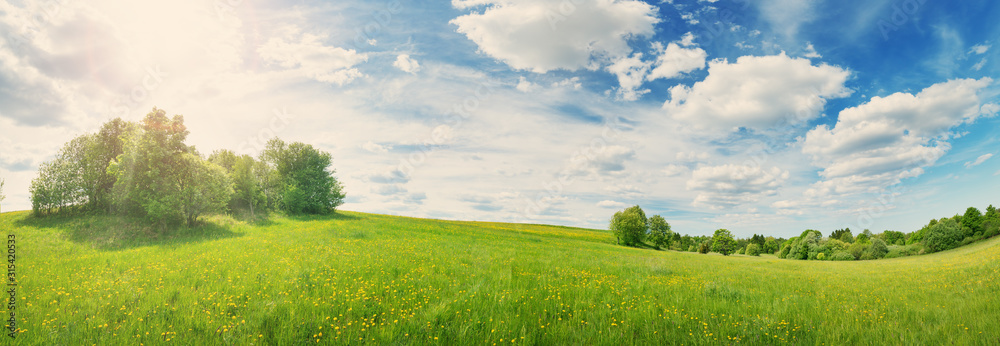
<point>741,251</point>
<point>842,256</point>
<point>903,251</point>
<point>821,256</point>
<point>878,248</point>
<point>858,249</point>
<point>753,250</point>
<point>704,247</point>
<point>785,250</point>
<point>943,236</point>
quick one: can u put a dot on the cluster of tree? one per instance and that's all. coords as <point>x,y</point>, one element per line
<point>841,245</point>
<point>632,228</point>
<point>146,170</point>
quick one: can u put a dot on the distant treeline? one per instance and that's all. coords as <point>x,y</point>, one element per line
<point>146,170</point>
<point>632,228</point>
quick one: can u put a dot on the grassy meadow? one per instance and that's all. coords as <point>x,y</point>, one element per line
<point>371,279</point>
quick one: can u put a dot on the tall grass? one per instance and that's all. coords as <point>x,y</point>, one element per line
<point>362,278</point>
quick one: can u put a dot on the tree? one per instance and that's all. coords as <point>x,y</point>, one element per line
<point>943,235</point>
<point>252,180</point>
<point>704,247</point>
<point>864,238</point>
<point>659,231</point>
<point>161,178</point>
<point>203,187</point>
<point>878,248</point>
<point>723,242</point>
<point>843,235</point>
<point>59,184</point>
<point>893,237</point>
<point>806,245</point>
<point>972,221</point>
<point>753,250</point>
<point>305,176</point>
<point>770,246</point>
<point>629,226</point>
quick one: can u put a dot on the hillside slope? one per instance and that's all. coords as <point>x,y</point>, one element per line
<point>365,278</point>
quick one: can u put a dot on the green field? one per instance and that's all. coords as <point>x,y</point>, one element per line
<point>362,278</point>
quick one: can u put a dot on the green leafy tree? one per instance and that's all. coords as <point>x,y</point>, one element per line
<point>972,221</point>
<point>251,179</point>
<point>306,177</point>
<point>629,226</point>
<point>770,246</point>
<point>878,248</point>
<point>943,235</point>
<point>804,245</point>
<point>785,250</point>
<point>864,238</point>
<point>659,232</point>
<point>723,242</point>
<point>203,187</point>
<point>753,249</point>
<point>843,235</point>
<point>893,237</point>
<point>60,184</point>
<point>161,178</point>
<point>704,247</point>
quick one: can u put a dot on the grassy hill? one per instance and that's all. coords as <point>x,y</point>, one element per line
<point>363,278</point>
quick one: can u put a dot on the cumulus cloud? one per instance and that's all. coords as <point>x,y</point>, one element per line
<point>978,161</point>
<point>523,85</point>
<point>307,55</point>
<point>541,36</point>
<point>811,52</point>
<point>728,186</point>
<point>631,73</point>
<point>879,143</point>
<point>406,64</point>
<point>674,61</point>
<point>757,92</point>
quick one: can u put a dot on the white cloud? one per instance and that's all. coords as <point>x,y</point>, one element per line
<point>811,52</point>
<point>786,15</point>
<point>307,55</point>
<point>631,72</point>
<point>979,49</point>
<point>728,186</point>
<point>879,143</point>
<point>989,110</point>
<point>523,85</point>
<point>979,160</point>
<point>757,92</point>
<point>687,40</point>
<point>573,83</point>
<point>979,65</point>
<point>609,160</point>
<point>540,36</point>
<point>674,61</point>
<point>406,64</point>
<point>611,204</point>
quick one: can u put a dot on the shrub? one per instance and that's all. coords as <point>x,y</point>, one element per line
<point>878,248</point>
<point>753,250</point>
<point>943,236</point>
<point>704,247</point>
<point>741,251</point>
<point>858,249</point>
<point>842,256</point>
<point>784,251</point>
<point>903,251</point>
<point>821,256</point>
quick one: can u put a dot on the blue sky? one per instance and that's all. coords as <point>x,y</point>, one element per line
<point>761,117</point>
